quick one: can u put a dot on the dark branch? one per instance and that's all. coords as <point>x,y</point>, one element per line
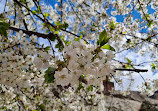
<point>50,35</point>
<point>135,70</point>
<point>11,46</point>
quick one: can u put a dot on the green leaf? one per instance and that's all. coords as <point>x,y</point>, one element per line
<point>97,42</point>
<point>82,76</point>
<point>24,1</point>
<point>97,50</point>
<point>67,42</point>
<point>148,38</point>
<point>49,75</point>
<point>46,15</point>
<point>41,107</point>
<point>149,23</point>
<point>47,48</point>
<point>47,31</point>
<point>61,26</point>
<point>5,25</point>
<point>65,25</point>
<point>59,46</point>
<point>90,88</point>
<point>82,33</point>
<point>52,38</point>
<point>4,107</point>
<point>58,23</point>
<point>77,39</point>
<point>3,28</point>
<point>2,18</point>
<point>35,12</point>
<point>94,25</point>
<point>129,61</point>
<point>80,86</point>
<point>56,32</point>
<point>42,45</point>
<point>112,25</point>
<point>146,17</point>
<point>44,24</point>
<point>148,87</point>
<point>107,46</point>
<point>127,66</point>
<point>81,36</point>
<point>153,66</point>
<point>103,39</point>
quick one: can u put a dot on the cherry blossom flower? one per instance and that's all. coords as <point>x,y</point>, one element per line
<point>42,62</point>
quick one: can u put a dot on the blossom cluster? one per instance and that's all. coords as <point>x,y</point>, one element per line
<point>15,58</point>
<point>86,60</point>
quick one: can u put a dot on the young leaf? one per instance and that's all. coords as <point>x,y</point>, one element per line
<point>35,12</point>
<point>149,23</point>
<point>59,46</point>
<point>46,15</point>
<point>127,66</point>
<point>77,39</point>
<point>80,86</point>
<point>129,61</point>
<point>90,88</point>
<point>107,46</point>
<point>103,39</point>
<point>2,18</point>
<point>65,25</point>
<point>41,107</point>
<point>112,25</point>
<point>47,48</point>
<point>67,42</point>
<point>49,74</point>
<point>3,28</point>
<point>61,26</point>
<point>153,66</point>
<point>146,17</point>
<point>24,1</point>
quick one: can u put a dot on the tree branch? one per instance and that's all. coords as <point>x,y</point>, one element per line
<point>135,70</point>
<point>136,37</point>
<point>61,6</point>
<point>50,35</point>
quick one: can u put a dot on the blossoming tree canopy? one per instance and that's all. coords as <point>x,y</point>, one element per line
<point>84,39</point>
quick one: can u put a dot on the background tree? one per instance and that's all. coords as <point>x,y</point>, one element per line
<point>84,40</point>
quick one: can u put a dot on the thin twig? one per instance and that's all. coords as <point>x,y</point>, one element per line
<point>61,6</point>
<point>75,11</point>
<point>146,62</point>
<point>145,40</point>
<point>51,46</point>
